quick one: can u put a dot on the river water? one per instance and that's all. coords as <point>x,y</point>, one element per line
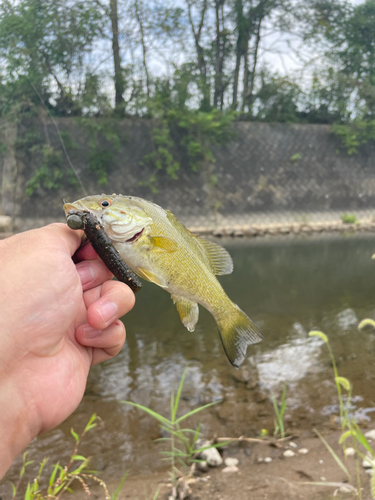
<point>288,287</point>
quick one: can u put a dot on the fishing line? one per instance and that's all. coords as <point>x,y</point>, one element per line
<point>61,139</point>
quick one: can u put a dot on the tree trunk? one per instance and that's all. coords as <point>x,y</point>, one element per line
<point>206,100</point>
<point>248,91</point>
<point>144,47</point>
<point>239,50</point>
<point>219,55</point>
<point>119,80</point>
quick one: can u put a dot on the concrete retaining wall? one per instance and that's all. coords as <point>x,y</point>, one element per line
<point>265,168</point>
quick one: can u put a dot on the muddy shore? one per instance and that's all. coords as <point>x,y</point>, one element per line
<point>280,478</point>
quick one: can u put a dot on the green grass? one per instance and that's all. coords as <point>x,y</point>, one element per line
<point>349,219</point>
<point>182,441</point>
<point>60,479</point>
<point>279,413</point>
<point>349,427</point>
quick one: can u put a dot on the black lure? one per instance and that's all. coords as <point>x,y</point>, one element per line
<point>81,219</point>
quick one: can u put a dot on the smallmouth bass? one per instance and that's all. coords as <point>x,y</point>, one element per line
<point>160,249</point>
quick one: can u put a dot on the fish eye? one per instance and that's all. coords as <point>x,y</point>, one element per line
<point>105,203</point>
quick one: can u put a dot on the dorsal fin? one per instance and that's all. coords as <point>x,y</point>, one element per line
<point>219,259</point>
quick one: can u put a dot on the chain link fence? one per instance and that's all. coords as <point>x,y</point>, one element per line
<point>269,178</point>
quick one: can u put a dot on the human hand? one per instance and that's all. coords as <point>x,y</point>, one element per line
<point>58,317</point>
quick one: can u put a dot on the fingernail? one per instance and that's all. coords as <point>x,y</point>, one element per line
<point>90,333</point>
<point>108,311</point>
<point>86,273</point>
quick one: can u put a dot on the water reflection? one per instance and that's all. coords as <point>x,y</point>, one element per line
<point>288,287</point>
<point>287,363</point>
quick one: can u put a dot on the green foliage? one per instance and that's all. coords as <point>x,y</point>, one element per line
<point>349,218</point>
<point>61,478</point>
<point>279,413</point>
<point>162,157</point>
<point>349,427</point>
<point>180,129</point>
<point>276,99</point>
<point>182,441</point>
<point>49,174</point>
<point>103,140</point>
<point>43,41</point>
<point>296,157</point>
<point>365,323</point>
<point>354,134</point>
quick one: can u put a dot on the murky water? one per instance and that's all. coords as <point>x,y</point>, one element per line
<point>288,287</point>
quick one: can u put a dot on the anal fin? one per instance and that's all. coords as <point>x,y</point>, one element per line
<point>188,311</point>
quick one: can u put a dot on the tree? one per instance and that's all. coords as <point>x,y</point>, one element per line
<point>43,44</point>
<point>118,72</point>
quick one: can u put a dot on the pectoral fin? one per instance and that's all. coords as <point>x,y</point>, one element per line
<point>163,243</point>
<point>188,312</point>
<point>149,276</point>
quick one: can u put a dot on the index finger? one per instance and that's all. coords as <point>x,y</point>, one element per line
<point>86,252</point>
<point>69,239</point>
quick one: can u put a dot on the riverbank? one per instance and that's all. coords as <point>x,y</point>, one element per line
<point>264,473</point>
<point>237,226</point>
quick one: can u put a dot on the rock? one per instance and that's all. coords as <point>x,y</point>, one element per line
<point>242,375</point>
<point>183,489</point>
<point>370,471</point>
<point>229,462</point>
<point>368,462</point>
<point>293,444</point>
<point>303,451</point>
<point>370,434</point>
<point>202,466</point>
<point>289,453</point>
<point>268,460</point>
<point>211,455</point>
<point>349,452</point>
<point>6,224</point>
<point>346,489</point>
<point>250,231</point>
<point>232,468</point>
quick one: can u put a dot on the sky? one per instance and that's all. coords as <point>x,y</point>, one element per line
<point>280,52</point>
<point>283,56</point>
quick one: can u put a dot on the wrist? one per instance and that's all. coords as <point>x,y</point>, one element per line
<point>16,430</point>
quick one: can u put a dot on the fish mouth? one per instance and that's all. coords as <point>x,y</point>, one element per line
<point>74,208</point>
<point>70,207</point>
<point>135,237</point>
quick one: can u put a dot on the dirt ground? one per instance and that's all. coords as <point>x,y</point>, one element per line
<point>280,479</point>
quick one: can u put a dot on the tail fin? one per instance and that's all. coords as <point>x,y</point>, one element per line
<point>237,331</point>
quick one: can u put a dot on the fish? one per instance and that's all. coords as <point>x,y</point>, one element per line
<point>160,249</point>
<point>95,234</point>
